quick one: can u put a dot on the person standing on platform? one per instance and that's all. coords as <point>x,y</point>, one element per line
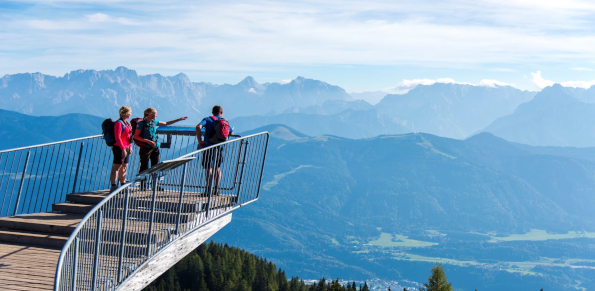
<point>217,130</point>
<point>122,149</point>
<point>146,132</point>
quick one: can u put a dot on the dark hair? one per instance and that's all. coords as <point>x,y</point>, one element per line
<point>217,110</point>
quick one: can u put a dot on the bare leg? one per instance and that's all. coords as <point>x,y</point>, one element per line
<point>114,173</point>
<point>218,177</point>
<point>208,174</point>
<point>122,173</point>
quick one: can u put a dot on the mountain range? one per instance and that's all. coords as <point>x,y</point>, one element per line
<point>448,110</point>
<point>556,116</point>
<point>101,93</point>
<point>452,110</point>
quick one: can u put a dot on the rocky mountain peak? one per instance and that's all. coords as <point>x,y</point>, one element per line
<point>249,82</point>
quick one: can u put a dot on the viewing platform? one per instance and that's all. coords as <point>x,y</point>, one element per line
<point>60,229</point>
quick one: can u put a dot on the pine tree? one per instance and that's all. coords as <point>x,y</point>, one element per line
<point>214,266</point>
<point>366,288</point>
<point>437,281</point>
<point>321,285</point>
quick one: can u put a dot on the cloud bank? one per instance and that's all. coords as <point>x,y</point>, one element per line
<point>540,82</point>
<point>406,85</point>
<point>239,38</point>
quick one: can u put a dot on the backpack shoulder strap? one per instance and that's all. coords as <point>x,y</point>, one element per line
<point>214,118</point>
<point>123,124</point>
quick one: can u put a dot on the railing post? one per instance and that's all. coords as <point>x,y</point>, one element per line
<point>264,157</point>
<point>123,240</point>
<point>149,239</point>
<point>78,163</point>
<point>242,171</point>
<point>210,187</point>
<point>181,198</point>
<point>16,205</point>
<point>75,264</point>
<point>97,249</point>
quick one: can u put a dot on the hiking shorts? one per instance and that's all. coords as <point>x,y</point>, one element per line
<point>118,155</point>
<point>212,158</point>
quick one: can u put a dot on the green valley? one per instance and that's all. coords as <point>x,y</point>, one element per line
<point>391,206</point>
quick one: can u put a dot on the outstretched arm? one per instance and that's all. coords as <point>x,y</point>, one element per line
<point>172,121</point>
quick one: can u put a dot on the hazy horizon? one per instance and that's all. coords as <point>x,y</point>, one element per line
<point>378,45</point>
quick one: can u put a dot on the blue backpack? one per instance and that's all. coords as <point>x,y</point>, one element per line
<point>107,126</point>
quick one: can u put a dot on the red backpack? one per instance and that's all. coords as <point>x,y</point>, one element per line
<point>134,124</point>
<point>220,131</point>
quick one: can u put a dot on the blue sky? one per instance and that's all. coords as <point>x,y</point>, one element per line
<point>358,45</point>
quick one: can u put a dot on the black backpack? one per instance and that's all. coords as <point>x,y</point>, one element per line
<point>107,126</point>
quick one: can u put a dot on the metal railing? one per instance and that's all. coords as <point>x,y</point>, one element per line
<point>33,178</point>
<point>165,203</point>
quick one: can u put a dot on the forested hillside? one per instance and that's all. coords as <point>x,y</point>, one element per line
<point>19,130</point>
<point>214,266</point>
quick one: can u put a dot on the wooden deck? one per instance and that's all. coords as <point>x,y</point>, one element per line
<point>27,267</point>
<point>30,245</point>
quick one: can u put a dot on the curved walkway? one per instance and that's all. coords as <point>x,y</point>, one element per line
<point>31,244</point>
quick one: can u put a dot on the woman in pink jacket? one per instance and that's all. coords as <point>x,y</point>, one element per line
<point>122,149</point>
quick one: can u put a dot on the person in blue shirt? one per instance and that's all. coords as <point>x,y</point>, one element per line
<point>146,131</point>
<point>211,159</point>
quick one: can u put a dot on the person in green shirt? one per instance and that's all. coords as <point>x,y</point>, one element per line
<point>146,131</point>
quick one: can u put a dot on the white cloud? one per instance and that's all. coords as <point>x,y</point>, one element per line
<point>98,17</point>
<point>91,21</point>
<point>251,90</point>
<point>44,24</point>
<point>507,70</point>
<point>492,83</point>
<point>319,33</point>
<point>103,18</point>
<point>540,82</point>
<point>224,36</point>
<point>406,85</point>
<point>581,69</point>
<point>286,81</point>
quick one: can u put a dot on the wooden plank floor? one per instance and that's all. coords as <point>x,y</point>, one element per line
<point>26,267</point>
<point>30,267</point>
<point>61,219</point>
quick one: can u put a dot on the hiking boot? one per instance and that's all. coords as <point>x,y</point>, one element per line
<point>113,188</point>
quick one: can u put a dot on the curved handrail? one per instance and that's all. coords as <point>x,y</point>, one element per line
<point>50,143</point>
<point>35,177</point>
<point>101,247</point>
<point>78,228</point>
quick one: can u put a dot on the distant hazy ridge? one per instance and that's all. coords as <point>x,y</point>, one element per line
<point>556,116</point>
